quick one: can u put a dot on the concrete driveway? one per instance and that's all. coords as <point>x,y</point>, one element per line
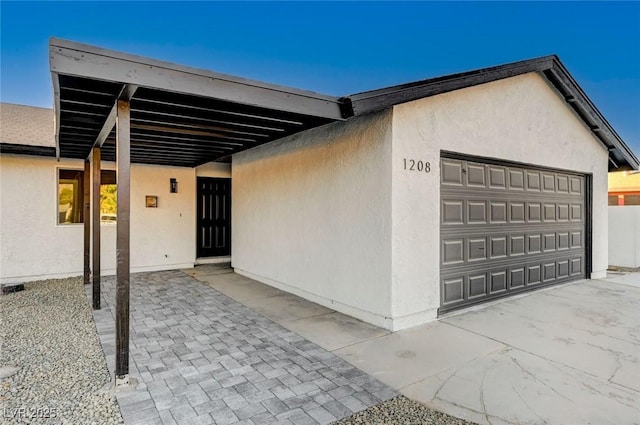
<point>563,355</point>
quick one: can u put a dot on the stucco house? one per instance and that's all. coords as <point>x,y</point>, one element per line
<point>394,205</point>
<point>624,188</point>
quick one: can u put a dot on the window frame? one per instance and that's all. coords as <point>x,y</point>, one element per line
<point>76,190</point>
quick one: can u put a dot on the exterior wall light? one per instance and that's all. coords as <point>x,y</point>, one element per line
<point>173,185</point>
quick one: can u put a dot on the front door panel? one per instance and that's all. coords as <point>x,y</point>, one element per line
<point>214,217</point>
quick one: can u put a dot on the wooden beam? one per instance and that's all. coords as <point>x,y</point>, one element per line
<point>56,107</point>
<point>86,217</point>
<point>95,220</point>
<point>84,61</point>
<point>123,177</point>
<point>128,90</point>
<point>183,131</point>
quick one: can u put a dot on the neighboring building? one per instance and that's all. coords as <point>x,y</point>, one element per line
<point>624,188</point>
<point>393,206</point>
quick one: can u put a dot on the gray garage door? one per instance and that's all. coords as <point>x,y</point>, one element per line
<point>507,229</point>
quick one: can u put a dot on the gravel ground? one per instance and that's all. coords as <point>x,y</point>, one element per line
<point>401,411</point>
<point>47,332</point>
<point>623,269</point>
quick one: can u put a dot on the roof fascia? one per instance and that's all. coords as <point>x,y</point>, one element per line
<point>81,60</point>
<point>549,66</point>
<point>592,117</point>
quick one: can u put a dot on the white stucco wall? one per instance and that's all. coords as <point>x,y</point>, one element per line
<point>34,246</point>
<point>311,215</point>
<point>517,119</point>
<point>624,236</point>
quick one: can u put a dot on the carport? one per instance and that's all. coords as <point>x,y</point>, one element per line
<point>128,109</point>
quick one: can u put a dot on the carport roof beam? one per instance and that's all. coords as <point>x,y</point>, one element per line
<point>88,81</point>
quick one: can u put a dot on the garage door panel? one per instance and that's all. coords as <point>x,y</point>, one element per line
<point>563,184</point>
<point>576,212</point>
<point>477,286</point>
<point>516,179</point>
<point>576,267</point>
<point>476,249</point>
<point>498,247</point>
<point>549,213</point>
<point>534,245</point>
<point>533,181</point>
<point>453,251</point>
<point>576,185</point>
<point>476,175</point>
<point>563,241</point>
<point>497,178</point>
<point>497,212</point>
<point>549,242</point>
<point>563,269</point>
<point>516,212</point>
<point>534,212</point>
<point>516,277</point>
<point>451,172</point>
<point>476,212</point>
<point>563,212</point>
<point>452,212</point>
<point>506,229</point>
<point>457,267</point>
<point>576,239</point>
<point>534,274</point>
<point>453,290</point>
<point>498,281</point>
<point>513,247</point>
<point>517,245</point>
<point>548,182</point>
<point>549,271</point>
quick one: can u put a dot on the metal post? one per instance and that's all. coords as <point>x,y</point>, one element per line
<point>123,176</point>
<point>95,220</point>
<point>86,217</point>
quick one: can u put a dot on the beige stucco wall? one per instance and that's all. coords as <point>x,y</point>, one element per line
<point>34,246</point>
<point>517,119</point>
<point>214,169</point>
<point>311,214</point>
<point>624,181</point>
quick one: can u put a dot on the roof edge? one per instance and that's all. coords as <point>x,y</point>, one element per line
<point>115,54</point>
<point>620,155</point>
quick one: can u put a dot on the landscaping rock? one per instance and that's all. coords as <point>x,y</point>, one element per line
<point>48,331</point>
<point>401,411</point>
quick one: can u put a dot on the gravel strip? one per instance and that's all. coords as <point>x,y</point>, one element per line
<point>621,269</point>
<point>47,332</point>
<point>401,411</point>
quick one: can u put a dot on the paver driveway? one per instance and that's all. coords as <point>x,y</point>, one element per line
<point>202,358</point>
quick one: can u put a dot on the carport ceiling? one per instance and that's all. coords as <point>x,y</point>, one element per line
<point>179,116</point>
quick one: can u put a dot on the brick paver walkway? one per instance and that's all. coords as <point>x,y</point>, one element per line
<point>203,358</point>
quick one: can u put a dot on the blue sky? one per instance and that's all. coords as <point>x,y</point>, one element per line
<point>339,48</point>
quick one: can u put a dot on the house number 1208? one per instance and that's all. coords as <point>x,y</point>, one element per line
<point>413,165</point>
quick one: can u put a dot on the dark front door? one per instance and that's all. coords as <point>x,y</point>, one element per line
<point>214,217</point>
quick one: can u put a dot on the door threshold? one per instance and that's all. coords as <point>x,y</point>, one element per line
<point>212,260</point>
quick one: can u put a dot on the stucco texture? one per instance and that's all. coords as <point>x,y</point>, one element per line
<point>520,119</point>
<point>34,246</point>
<point>311,214</point>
